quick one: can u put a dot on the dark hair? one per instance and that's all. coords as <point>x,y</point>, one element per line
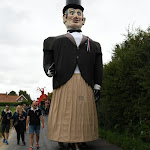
<point>66,13</point>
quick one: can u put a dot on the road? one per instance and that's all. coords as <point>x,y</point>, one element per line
<point>46,144</point>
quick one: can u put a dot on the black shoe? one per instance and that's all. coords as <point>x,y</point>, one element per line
<point>71,146</point>
<point>61,145</point>
<point>84,145</point>
<point>18,142</point>
<point>24,143</point>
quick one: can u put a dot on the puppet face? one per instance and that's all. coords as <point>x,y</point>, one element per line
<point>73,18</point>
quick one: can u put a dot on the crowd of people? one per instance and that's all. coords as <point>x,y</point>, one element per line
<point>24,118</point>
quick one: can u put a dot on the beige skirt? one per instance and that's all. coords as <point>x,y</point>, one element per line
<point>73,116</point>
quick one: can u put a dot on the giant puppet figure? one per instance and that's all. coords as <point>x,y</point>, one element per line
<point>75,63</point>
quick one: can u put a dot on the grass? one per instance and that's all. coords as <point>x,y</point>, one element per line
<point>125,141</point>
<point>12,108</point>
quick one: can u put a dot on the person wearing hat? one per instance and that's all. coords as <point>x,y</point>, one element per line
<point>75,63</point>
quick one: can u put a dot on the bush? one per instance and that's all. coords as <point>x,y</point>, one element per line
<point>125,94</point>
<point>13,104</point>
<point>125,141</point>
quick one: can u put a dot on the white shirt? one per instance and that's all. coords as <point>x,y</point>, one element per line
<point>34,109</point>
<point>78,37</point>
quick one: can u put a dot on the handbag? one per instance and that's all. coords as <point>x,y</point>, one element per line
<point>16,123</point>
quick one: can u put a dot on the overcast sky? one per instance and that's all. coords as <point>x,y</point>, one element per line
<point>24,24</point>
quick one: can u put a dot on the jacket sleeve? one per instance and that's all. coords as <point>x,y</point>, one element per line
<point>12,117</point>
<point>98,67</point>
<point>48,53</point>
<point>10,114</point>
<point>2,114</point>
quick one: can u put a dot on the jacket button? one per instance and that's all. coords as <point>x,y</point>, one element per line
<point>77,57</point>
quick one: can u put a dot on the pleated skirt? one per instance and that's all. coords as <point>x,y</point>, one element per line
<point>73,116</point>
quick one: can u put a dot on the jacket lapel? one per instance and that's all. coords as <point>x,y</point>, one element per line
<point>71,38</point>
<point>83,39</point>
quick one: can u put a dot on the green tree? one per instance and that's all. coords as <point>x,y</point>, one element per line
<point>12,93</point>
<point>26,95</point>
<point>126,87</point>
<point>50,96</point>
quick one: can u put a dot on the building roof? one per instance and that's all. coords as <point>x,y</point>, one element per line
<point>9,98</point>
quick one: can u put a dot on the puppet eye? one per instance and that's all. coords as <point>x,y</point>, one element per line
<point>79,13</point>
<point>72,12</point>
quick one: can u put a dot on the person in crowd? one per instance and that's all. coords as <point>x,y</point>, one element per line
<point>75,63</point>
<point>43,109</point>
<point>33,123</point>
<point>24,107</point>
<point>18,120</point>
<point>29,107</point>
<point>47,105</point>
<point>25,112</point>
<point>5,126</point>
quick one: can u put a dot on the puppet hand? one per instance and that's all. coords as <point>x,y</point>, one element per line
<point>96,95</point>
<point>51,70</point>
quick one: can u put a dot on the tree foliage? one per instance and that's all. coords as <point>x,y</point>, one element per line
<point>26,95</point>
<point>125,92</point>
<point>12,93</point>
<point>50,96</point>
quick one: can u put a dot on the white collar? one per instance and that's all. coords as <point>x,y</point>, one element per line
<point>7,111</point>
<point>76,34</point>
<point>77,37</point>
<point>34,109</point>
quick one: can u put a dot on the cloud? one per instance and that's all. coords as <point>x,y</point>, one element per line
<point>11,20</point>
<point>24,25</point>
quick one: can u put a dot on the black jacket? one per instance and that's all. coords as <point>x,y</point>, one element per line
<point>62,50</point>
<point>21,123</point>
<point>5,115</point>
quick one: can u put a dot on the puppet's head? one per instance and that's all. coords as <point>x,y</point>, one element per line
<point>73,14</point>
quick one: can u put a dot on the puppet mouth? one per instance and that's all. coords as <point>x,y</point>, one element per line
<point>75,20</point>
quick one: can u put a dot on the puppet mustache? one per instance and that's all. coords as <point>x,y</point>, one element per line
<point>75,19</point>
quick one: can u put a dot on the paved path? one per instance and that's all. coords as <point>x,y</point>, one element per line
<point>46,144</point>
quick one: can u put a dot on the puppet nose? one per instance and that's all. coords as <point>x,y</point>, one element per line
<point>75,15</point>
